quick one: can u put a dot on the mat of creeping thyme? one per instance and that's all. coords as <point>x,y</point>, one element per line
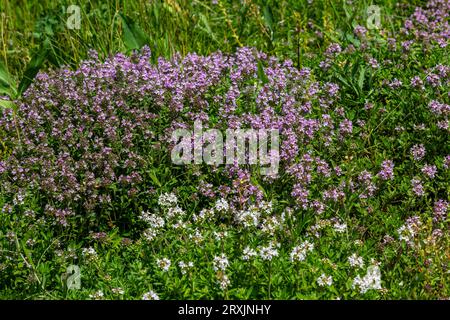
<point>358,209</point>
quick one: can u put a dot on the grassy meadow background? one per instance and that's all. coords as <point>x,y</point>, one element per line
<point>116,261</point>
<point>275,27</point>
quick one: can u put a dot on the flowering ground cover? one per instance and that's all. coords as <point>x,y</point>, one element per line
<point>94,207</point>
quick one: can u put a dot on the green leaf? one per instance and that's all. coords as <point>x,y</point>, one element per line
<point>7,84</point>
<point>34,66</point>
<point>261,74</point>
<point>355,41</point>
<point>268,17</point>
<point>362,73</point>
<point>5,78</point>
<point>154,178</point>
<point>207,27</point>
<point>6,104</point>
<point>133,36</point>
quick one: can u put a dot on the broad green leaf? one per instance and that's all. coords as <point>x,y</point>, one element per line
<point>154,178</point>
<point>261,74</point>
<point>133,36</point>
<point>34,66</point>
<point>7,84</point>
<point>207,27</point>
<point>268,17</point>
<point>362,73</point>
<point>6,104</point>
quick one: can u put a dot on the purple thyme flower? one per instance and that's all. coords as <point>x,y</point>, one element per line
<point>387,170</point>
<point>333,50</point>
<point>345,127</point>
<point>418,152</point>
<point>433,80</point>
<point>446,164</point>
<point>417,187</point>
<point>440,210</point>
<point>360,31</point>
<point>429,170</point>
<point>395,84</point>
<point>417,83</point>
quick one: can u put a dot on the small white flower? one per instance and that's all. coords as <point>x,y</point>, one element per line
<point>151,295</point>
<point>150,234</point>
<point>340,227</point>
<point>97,295</point>
<point>299,253</point>
<point>223,280</point>
<point>196,237</point>
<point>324,280</point>
<point>268,253</point>
<point>265,207</point>
<point>221,205</point>
<point>248,254</point>
<point>118,291</point>
<point>204,215</point>
<point>220,262</point>
<point>406,233</point>
<point>220,235</point>
<point>167,200</point>
<point>152,220</point>
<point>372,280</point>
<point>175,212</point>
<point>248,218</point>
<point>180,225</point>
<point>164,264</point>
<point>356,261</point>
<point>185,267</point>
<point>271,224</point>
<point>89,253</point>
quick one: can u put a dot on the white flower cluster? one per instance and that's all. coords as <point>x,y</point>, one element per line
<point>151,295</point>
<point>405,233</point>
<point>340,227</point>
<point>220,235</point>
<point>175,212</point>
<point>372,280</point>
<point>221,205</point>
<point>220,262</point>
<point>89,254</point>
<point>204,215</point>
<point>164,264</point>
<point>271,224</point>
<point>97,295</point>
<point>180,225</point>
<point>250,217</point>
<point>150,234</point>
<point>155,223</point>
<point>356,261</point>
<point>248,254</point>
<point>223,280</point>
<point>118,290</point>
<point>269,252</point>
<point>265,207</point>
<point>324,280</point>
<point>247,218</point>
<point>299,253</point>
<point>196,237</point>
<point>167,200</point>
<point>185,267</point>
<point>409,230</point>
<point>152,219</point>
